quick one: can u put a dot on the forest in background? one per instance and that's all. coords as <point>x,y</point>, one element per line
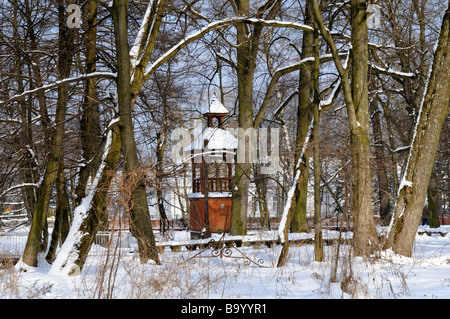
<point>86,113</point>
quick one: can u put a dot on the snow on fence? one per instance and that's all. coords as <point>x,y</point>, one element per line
<point>13,244</point>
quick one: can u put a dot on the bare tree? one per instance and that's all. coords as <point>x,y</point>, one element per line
<point>419,166</point>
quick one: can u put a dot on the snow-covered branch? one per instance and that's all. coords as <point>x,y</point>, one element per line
<point>143,44</point>
<point>333,95</point>
<point>105,75</point>
<point>18,186</point>
<point>216,26</point>
<point>69,252</point>
<point>391,72</point>
<point>284,217</point>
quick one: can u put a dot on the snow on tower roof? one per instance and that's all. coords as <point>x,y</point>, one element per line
<point>217,139</point>
<point>215,107</point>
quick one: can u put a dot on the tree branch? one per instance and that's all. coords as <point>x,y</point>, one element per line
<point>104,75</point>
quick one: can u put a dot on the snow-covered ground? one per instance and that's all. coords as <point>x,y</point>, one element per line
<point>248,273</point>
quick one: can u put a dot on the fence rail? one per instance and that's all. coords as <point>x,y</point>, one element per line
<point>13,244</point>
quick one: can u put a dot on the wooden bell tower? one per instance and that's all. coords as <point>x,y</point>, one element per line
<point>212,154</point>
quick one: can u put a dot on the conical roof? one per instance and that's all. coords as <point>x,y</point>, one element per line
<point>215,107</point>
<point>217,139</point>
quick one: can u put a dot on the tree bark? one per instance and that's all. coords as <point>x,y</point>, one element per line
<point>363,223</point>
<point>91,211</point>
<point>90,132</point>
<point>161,143</point>
<point>140,215</point>
<point>299,223</point>
<point>261,191</point>
<point>433,111</point>
<point>37,240</point>
<point>246,51</point>
<point>318,240</point>
<point>245,71</point>
<point>380,165</point>
<point>27,164</point>
<point>61,225</point>
<point>356,100</point>
<point>433,200</point>
<point>288,213</point>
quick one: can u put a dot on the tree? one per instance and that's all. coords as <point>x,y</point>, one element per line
<point>246,55</point>
<point>36,241</point>
<point>356,100</point>
<point>140,216</point>
<point>119,136</point>
<point>318,240</point>
<point>299,223</point>
<point>432,113</point>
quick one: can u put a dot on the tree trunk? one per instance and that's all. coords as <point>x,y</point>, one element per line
<point>433,200</point>
<point>37,241</point>
<point>37,73</point>
<point>61,225</point>
<point>299,223</point>
<point>160,148</point>
<point>288,213</point>
<point>356,100</point>
<point>245,71</point>
<point>140,215</point>
<point>433,111</point>
<point>90,131</point>
<point>363,224</point>
<point>380,165</point>
<point>318,240</point>
<point>247,53</point>
<point>27,162</point>
<point>91,211</point>
<point>261,191</point>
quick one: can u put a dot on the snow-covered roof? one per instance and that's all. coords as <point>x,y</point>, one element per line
<point>217,139</point>
<point>215,107</point>
<point>210,194</point>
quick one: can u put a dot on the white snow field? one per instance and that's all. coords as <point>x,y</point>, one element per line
<point>246,272</point>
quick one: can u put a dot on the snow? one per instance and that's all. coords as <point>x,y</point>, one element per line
<point>392,71</point>
<point>330,98</point>
<point>139,41</point>
<point>67,255</point>
<point>401,148</point>
<point>217,139</point>
<point>191,274</point>
<point>57,83</point>
<point>216,107</point>
<point>404,183</point>
<point>418,120</point>
<point>290,194</point>
<point>16,187</point>
<point>216,25</point>
<point>210,194</point>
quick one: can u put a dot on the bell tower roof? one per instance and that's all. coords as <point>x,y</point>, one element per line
<point>215,107</point>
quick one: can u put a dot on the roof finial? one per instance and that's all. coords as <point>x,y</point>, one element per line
<point>215,106</point>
